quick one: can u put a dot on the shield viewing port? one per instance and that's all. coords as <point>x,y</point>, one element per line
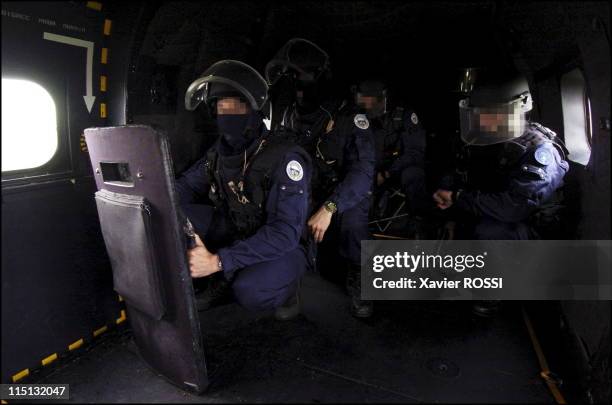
<point>117,173</point>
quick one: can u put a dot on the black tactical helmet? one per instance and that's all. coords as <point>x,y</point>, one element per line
<point>298,57</point>
<point>372,88</point>
<point>494,93</point>
<point>228,78</point>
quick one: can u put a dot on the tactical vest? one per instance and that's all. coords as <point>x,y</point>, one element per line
<point>245,202</point>
<point>388,138</point>
<point>294,129</point>
<point>329,155</point>
<point>324,139</point>
<point>489,169</point>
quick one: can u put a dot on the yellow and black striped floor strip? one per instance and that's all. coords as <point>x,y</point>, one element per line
<point>71,348</point>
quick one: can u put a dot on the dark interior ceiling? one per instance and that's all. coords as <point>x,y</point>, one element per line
<point>418,47</point>
<point>391,38</point>
<point>370,35</point>
<point>414,44</point>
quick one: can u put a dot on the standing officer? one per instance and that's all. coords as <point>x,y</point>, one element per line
<point>247,198</point>
<point>509,167</point>
<point>340,142</point>
<point>400,148</point>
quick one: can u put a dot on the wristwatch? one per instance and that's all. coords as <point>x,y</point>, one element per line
<point>330,206</point>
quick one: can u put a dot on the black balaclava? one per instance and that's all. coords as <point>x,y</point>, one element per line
<point>311,96</point>
<point>239,130</point>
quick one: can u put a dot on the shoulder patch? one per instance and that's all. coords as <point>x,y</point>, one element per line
<point>361,121</point>
<point>294,170</point>
<point>414,118</point>
<point>543,156</point>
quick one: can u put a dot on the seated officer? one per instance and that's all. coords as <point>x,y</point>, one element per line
<point>247,198</point>
<point>400,148</point>
<point>340,143</point>
<point>509,167</point>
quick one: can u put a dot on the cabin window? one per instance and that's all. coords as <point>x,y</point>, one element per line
<point>29,125</point>
<point>577,123</point>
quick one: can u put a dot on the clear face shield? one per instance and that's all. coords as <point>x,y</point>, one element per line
<point>495,123</point>
<point>374,105</point>
<point>299,58</point>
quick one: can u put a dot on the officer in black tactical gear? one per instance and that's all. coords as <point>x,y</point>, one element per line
<point>509,167</point>
<point>339,140</point>
<point>247,198</point>
<point>400,151</point>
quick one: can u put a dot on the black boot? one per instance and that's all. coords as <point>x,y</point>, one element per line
<point>216,293</point>
<point>359,308</point>
<point>290,309</point>
<point>486,309</point>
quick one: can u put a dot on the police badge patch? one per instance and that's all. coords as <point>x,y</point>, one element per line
<point>414,118</point>
<point>294,170</point>
<point>543,156</point>
<point>361,121</point>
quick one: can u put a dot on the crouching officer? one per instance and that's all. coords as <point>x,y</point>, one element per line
<point>400,150</point>
<point>247,198</point>
<point>339,140</point>
<point>509,166</point>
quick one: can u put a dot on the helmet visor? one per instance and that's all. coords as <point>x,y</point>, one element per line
<point>298,57</point>
<point>228,73</point>
<point>375,105</point>
<point>492,124</point>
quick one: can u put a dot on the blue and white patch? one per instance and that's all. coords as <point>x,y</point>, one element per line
<point>543,156</point>
<point>295,171</point>
<point>414,118</point>
<point>361,121</point>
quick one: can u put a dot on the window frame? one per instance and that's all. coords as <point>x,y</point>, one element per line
<point>570,68</point>
<point>60,165</point>
<point>588,117</point>
<point>57,142</point>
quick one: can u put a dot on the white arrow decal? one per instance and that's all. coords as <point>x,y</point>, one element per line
<point>88,97</point>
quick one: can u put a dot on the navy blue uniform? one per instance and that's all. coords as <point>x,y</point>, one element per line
<point>343,159</point>
<point>265,264</point>
<point>400,150</point>
<point>511,185</point>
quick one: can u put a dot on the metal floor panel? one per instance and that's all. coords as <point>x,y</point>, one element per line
<point>409,352</point>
